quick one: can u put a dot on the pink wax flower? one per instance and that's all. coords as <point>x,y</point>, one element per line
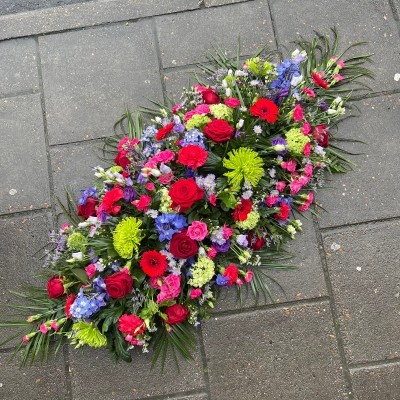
<point>90,270</point>
<point>195,293</point>
<point>197,231</point>
<point>43,328</point>
<point>306,128</point>
<point>232,102</point>
<point>297,113</point>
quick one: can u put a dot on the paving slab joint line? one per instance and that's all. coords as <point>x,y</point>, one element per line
<point>340,228</point>
<point>205,364</point>
<point>376,94</point>
<point>175,396</point>
<point>25,213</point>
<point>368,365</point>
<point>273,306</point>
<point>68,378</point>
<point>334,313</point>
<point>394,10</point>
<point>19,94</point>
<point>274,29</point>
<point>46,133</point>
<point>95,140</point>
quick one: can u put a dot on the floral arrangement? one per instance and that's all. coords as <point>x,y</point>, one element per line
<point>199,200</point>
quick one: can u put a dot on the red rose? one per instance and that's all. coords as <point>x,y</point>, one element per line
<point>110,198</point>
<point>284,211</point>
<point>210,97</point>
<point>163,132</point>
<point>231,272</point>
<point>121,159</point>
<point>153,263</point>
<point>89,209</point>
<point>256,242</point>
<point>317,78</point>
<point>192,156</point>
<point>184,193</point>
<point>182,246</point>
<point>176,314</point>
<point>119,284</point>
<point>55,287</point>
<point>321,134</point>
<point>265,109</point>
<point>68,303</point>
<point>242,210</point>
<point>218,130</point>
<point>131,325</point>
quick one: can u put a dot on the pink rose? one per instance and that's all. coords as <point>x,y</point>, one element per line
<point>195,293</point>
<point>90,270</point>
<point>232,102</point>
<point>197,231</point>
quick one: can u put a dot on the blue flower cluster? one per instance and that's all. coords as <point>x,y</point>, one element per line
<point>89,192</point>
<point>194,136</point>
<point>150,147</point>
<point>168,224</point>
<point>85,306</point>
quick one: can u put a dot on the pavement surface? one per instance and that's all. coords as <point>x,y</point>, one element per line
<point>67,68</point>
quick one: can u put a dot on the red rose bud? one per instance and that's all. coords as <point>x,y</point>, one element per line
<point>119,284</point>
<point>210,97</point>
<point>321,135</point>
<point>68,303</point>
<point>176,314</point>
<point>231,272</point>
<point>131,325</point>
<point>89,209</point>
<point>218,130</point>
<point>153,263</point>
<point>182,246</point>
<point>184,193</point>
<point>55,287</point>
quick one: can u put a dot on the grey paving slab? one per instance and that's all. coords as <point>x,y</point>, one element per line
<point>364,268</point>
<point>12,6</point>
<point>176,80</point>
<point>369,192</point>
<point>23,166</point>
<point>18,66</point>
<point>373,23</point>
<point>378,382</point>
<point>212,3</point>
<point>81,15</point>
<point>274,354</point>
<point>37,382</point>
<point>305,282</point>
<point>95,376</point>
<point>72,167</point>
<point>89,76</point>
<point>20,239</point>
<point>185,38</point>
<point>187,397</point>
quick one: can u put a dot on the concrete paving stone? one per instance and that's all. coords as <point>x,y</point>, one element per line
<point>288,353</point>
<point>373,23</point>
<point>397,7</point>
<point>86,14</point>
<point>38,382</point>
<point>175,81</point>
<point>189,397</point>
<point>20,239</point>
<point>12,6</point>
<point>89,76</point>
<point>213,3</point>
<point>185,38</point>
<point>95,376</point>
<point>18,66</point>
<point>72,167</point>
<point>305,282</point>
<point>368,192</point>
<point>378,382</point>
<point>23,166</point>
<point>364,269</point>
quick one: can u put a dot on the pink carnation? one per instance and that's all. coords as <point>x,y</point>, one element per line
<point>200,88</point>
<point>54,325</point>
<point>197,231</point>
<point>143,203</point>
<point>176,108</point>
<point>90,270</point>
<point>232,102</point>
<point>289,165</point>
<point>43,328</point>
<point>271,200</point>
<point>249,276</point>
<point>170,288</point>
<point>307,149</point>
<point>297,113</point>
<point>212,253</point>
<point>295,186</point>
<point>306,128</point>
<point>280,186</point>
<point>213,199</point>
<point>308,201</point>
<point>195,293</point>
<point>227,232</point>
<point>338,77</point>
<point>150,186</point>
<point>25,339</point>
<point>164,156</point>
<point>309,92</point>
<point>340,64</point>
<point>166,178</point>
<point>308,171</point>
<point>200,109</point>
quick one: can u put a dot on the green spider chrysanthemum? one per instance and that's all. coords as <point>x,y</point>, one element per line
<point>86,333</point>
<point>126,237</point>
<point>246,165</point>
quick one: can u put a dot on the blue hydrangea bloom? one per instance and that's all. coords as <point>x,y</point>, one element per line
<point>168,224</point>
<point>85,306</point>
<point>194,136</point>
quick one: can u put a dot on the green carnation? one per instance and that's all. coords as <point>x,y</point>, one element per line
<point>86,333</point>
<point>197,121</point>
<point>77,241</point>
<point>250,222</point>
<point>258,67</point>
<point>202,272</point>
<point>166,201</point>
<point>221,111</point>
<point>246,165</point>
<point>296,141</point>
<point>127,237</point>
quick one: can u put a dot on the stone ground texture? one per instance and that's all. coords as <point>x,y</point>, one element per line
<point>68,67</point>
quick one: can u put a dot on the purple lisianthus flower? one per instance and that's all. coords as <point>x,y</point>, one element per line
<point>222,248</point>
<point>179,128</point>
<point>129,193</point>
<point>280,141</point>
<point>323,106</point>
